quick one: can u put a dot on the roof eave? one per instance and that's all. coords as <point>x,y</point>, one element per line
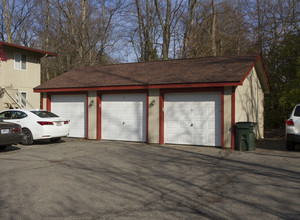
<point>261,73</point>
<point>42,52</point>
<point>138,87</point>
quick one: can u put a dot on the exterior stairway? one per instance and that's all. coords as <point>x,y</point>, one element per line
<point>13,99</point>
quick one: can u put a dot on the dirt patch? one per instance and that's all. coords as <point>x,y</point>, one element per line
<point>275,134</point>
<point>274,140</point>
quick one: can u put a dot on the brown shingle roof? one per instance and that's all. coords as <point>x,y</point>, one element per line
<point>198,70</point>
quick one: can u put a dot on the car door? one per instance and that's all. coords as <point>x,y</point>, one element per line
<point>296,119</point>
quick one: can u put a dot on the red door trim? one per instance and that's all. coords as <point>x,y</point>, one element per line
<point>42,101</point>
<point>232,116</point>
<point>99,107</point>
<point>87,117</point>
<point>222,119</point>
<point>48,104</point>
<point>147,116</point>
<point>161,118</point>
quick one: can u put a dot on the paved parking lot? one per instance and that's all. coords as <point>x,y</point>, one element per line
<point>80,179</point>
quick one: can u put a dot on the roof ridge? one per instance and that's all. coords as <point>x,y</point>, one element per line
<point>170,60</point>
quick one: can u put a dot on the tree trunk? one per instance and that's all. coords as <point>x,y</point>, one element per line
<point>141,27</point>
<point>188,27</point>
<point>166,28</point>
<point>213,29</point>
<point>82,30</point>
<point>259,27</point>
<point>7,18</point>
<point>47,25</point>
<point>47,37</point>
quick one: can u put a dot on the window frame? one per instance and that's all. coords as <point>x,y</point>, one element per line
<point>20,61</point>
<point>26,96</point>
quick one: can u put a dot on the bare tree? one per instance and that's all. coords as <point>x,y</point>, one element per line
<point>213,29</point>
<point>83,29</point>
<point>146,30</point>
<point>166,23</point>
<point>166,26</point>
<point>18,20</point>
<point>87,32</point>
<point>81,32</point>
<point>47,25</point>
<point>188,27</point>
<point>8,20</point>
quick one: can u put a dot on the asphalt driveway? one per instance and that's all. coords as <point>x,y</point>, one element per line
<point>81,179</point>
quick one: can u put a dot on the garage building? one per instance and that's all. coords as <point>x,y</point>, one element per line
<point>188,101</point>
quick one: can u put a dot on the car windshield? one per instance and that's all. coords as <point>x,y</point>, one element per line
<point>44,114</point>
<point>297,111</point>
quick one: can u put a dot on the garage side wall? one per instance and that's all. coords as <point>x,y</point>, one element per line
<point>249,102</point>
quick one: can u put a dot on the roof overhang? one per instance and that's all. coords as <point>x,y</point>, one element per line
<point>41,52</point>
<point>166,86</point>
<point>261,74</point>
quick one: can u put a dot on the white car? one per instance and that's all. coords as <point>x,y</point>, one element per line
<point>37,124</point>
<point>292,129</point>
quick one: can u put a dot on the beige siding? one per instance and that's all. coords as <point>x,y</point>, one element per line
<point>44,100</point>
<point>92,114</point>
<point>21,80</point>
<point>227,117</point>
<point>249,103</point>
<point>153,120</point>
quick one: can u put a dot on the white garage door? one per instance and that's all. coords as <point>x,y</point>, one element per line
<point>124,117</point>
<point>192,118</point>
<point>73,108</point>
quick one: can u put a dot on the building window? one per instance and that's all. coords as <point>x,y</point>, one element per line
<point>22,98</point>
<point>20,61</point>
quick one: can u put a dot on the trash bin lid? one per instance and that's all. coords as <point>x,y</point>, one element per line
<point>245,124</point>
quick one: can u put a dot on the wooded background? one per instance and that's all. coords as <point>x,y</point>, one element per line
<point>97,32</point>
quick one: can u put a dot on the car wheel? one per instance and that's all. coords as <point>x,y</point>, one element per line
<point>290,145</point>
<point>27,137</point>
<point>55,140</point>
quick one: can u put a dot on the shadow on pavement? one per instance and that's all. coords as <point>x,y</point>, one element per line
<point>10,148</point>
<point>46,142</point>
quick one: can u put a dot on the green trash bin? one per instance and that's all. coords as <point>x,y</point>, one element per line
<point>244,136</point>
